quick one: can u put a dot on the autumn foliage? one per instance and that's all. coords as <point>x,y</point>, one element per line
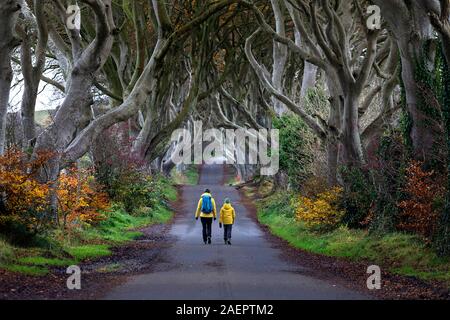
<point>25,200</point>
<point>80,199</point>
<point>322,210</point>
<point>418,212</point>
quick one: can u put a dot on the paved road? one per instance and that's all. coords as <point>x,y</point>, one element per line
<point>249,269</point>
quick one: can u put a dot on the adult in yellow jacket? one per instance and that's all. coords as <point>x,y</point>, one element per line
<point>206,210</point>
<point>227,218</point>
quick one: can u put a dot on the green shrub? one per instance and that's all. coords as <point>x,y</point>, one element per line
<point>6,252</point>
<point>136,190</point>
<point>359,196</point>
<point>295,154</point>
<point>389,178</point>
<point>281,203</point>
<point>16,232</point>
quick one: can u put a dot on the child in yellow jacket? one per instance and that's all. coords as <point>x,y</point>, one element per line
<point>227,218</point>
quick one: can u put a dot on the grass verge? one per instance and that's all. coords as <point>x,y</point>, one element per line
<point>63,249</point>
<point>401,253</point>
<point>189,177</point>
<point>27,270</point>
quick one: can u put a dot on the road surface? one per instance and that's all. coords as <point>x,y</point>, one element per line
<point>249,269</point>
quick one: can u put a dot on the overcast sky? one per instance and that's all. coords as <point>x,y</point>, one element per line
<point>48,97</point>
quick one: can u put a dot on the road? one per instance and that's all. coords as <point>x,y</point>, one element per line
<point>249,269</point>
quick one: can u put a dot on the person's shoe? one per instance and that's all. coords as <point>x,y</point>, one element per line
<point>226,241</point>
<point>229,242</point>
<point>204,242</point>
<point>209,240</point>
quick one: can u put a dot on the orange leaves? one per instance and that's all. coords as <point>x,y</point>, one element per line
<point>219,60</point>
<point>417,211</point>
<point>27,200</point>
<point>79,198</point>
<point>22,192</point>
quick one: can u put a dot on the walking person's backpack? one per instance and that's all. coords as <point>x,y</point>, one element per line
<point>206,204</point>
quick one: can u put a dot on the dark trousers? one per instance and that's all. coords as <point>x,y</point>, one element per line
<point>227,231</point>
<point>207,224</point>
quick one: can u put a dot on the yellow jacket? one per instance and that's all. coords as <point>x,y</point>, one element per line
<point>199,208</point>
<point>227,214</point>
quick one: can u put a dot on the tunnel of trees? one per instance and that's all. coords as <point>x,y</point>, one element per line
<point>363,113</point>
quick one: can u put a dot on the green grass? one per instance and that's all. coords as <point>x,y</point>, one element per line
<point>27,270</point>
<point>90,243</point>
<point>87,242</point>
<point>188,177</point>
<point>171,193</point>
<point>161,215</point>
<point>6,252</point>
<point>401,253</point>
<point>232,181</point>
<point>42,261</point>
<point>117,228</point>
<point>89,251</point>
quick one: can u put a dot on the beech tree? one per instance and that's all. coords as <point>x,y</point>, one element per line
<point>32,72</point>
<point>146,68</point>
<point>330,35</point>
<point>9,11</point>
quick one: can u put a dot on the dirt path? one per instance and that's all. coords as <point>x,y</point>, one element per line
<point>252,268</point>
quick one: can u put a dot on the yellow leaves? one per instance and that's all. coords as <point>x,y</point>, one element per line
<point>23,192</point>
<point>321,210</point>
<point>27,200</point>
<point>79,197</point>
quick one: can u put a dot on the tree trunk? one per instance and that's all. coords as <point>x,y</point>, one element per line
<point>74,114</point>
<point>334,123</point>
<point>442,238</point>
<point>32,72</point>
<point>280,54</point>
<point>9,11</point>
<point>411,28</point>
<point>332,161</point>
<point>351,138</point>
<point>6,76</point>
<point>310,70</point>
<point>28,106</point>
<point>309,78</point>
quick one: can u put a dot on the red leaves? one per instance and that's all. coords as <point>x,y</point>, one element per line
<point>418,213</point>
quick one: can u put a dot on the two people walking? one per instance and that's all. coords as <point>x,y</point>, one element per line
<point>206,211</point>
